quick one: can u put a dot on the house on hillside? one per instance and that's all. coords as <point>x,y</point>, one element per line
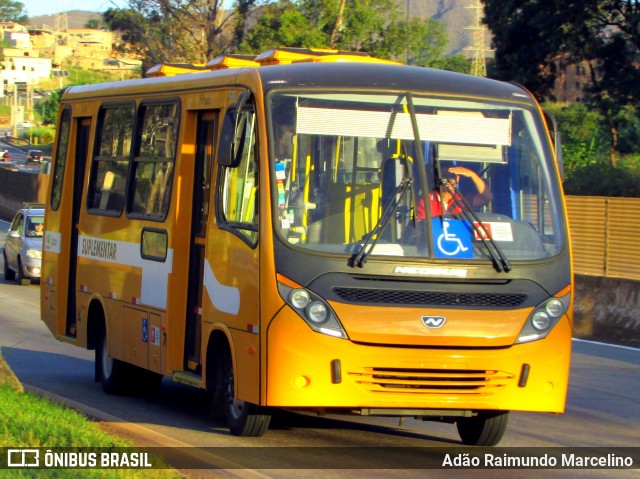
<point>34,56</point>
<point>21,66</point>
<point>93,50</point>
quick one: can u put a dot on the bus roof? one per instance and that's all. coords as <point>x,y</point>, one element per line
<point>340,70</point>
<point>170,69</point>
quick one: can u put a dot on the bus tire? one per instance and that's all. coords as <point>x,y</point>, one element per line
<point>243,418</point>
<point>485,429</point>
<point>9,274</point>
<point>112,373</point>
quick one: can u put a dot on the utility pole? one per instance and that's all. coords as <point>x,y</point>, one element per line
<point>62,24</point>
<point>478,60</point>
<point>15,109</point>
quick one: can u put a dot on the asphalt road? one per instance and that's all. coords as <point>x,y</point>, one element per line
<point>17,159</point>
<point>603,410</point>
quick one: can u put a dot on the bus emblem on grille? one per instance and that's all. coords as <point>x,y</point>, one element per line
<point>433,322</point>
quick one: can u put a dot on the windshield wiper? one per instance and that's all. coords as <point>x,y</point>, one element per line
<point>499,259</point>
<point>360,258</point>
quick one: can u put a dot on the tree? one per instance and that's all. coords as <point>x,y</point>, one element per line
<point>51,107</point>
<point>96,24</point>
<point>364,24</point>
<point>534,39</point>
<point>524,40</point>
<point>243,9</point>
<point>337,26</point>
<point>197,30</point>
<point>282,24</point>
<point>148,36</point>
<point>421,43</point>
<point>354,26</point>
<point>11,11</point>
<point>175,30</point>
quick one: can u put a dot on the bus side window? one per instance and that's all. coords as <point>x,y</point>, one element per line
<point>60,158</point>
<point>111,162</point>
<point>153,164</point>
<point>238,201</point>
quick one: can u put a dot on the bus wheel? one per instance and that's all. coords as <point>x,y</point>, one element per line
<point>9,274</point>
<point>485,429</point>
<point>243,418</point>
<point>112,373</point>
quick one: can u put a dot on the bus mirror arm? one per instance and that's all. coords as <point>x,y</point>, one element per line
<point>554,131</point>
<point>232,157</point>
<point>235,153</point>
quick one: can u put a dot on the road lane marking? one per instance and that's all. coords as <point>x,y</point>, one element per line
<point>628,348</point>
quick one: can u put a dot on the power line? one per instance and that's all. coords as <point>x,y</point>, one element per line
<point>478,49</point>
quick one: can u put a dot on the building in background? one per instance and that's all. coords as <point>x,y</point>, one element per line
<point>36,56</point>
<point>22,67</point>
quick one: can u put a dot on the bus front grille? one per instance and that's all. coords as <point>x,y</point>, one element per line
<point>438,381</point>
<point>432,298</point>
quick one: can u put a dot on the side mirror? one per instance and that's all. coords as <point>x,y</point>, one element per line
<point>239,135</point>
<point>554,130</point>
<point>14,234</point>
<point>233,155</point>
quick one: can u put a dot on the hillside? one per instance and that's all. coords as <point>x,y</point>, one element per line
<point>454,13</point>
<point>75,19</point>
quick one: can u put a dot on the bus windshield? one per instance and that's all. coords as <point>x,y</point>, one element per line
<point>456,179</point>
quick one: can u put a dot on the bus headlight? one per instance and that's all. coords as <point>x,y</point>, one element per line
<point>299,298</point>
<point>540,320</point>
<point>313,309</point>
<point>543,319</point>
<point>555,308</point>
<point>317,312</point>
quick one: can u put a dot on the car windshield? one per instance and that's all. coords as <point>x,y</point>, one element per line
<point>340,159</point>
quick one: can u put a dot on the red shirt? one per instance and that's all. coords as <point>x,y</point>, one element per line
<point>436,206</point>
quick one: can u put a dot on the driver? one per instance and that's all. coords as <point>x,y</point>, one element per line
<point>447,202</point>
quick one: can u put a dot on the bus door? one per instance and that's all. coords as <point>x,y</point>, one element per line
<point>206,133</point>
<point>83,128</point>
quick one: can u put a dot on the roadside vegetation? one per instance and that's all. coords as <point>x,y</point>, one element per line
<point>537,46</point>
<point>586,141</point>
<point>45,111</point>
<point>531,45</point>
<point>27,420</point>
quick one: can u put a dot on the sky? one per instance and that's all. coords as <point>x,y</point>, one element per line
<point>49,7</point>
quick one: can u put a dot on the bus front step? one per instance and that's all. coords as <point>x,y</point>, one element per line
<point>187,377</point>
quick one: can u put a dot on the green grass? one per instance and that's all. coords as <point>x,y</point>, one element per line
<point>631,163</point>
<point>27,420</point>
<point>79,76</point>
<point>41,137</point>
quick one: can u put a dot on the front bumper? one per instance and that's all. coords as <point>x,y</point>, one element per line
<point>310,370</point>
<point>31,267</point>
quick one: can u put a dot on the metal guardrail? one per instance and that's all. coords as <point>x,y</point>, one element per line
<point>605,234</point>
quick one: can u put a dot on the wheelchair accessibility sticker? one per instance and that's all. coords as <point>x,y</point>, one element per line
<point>452,239</point>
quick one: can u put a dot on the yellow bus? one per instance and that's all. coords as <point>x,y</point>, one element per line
<point>260,230</point>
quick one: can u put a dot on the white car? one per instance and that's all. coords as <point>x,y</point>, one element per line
<point>27,124</point>
<point>23,247</point>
